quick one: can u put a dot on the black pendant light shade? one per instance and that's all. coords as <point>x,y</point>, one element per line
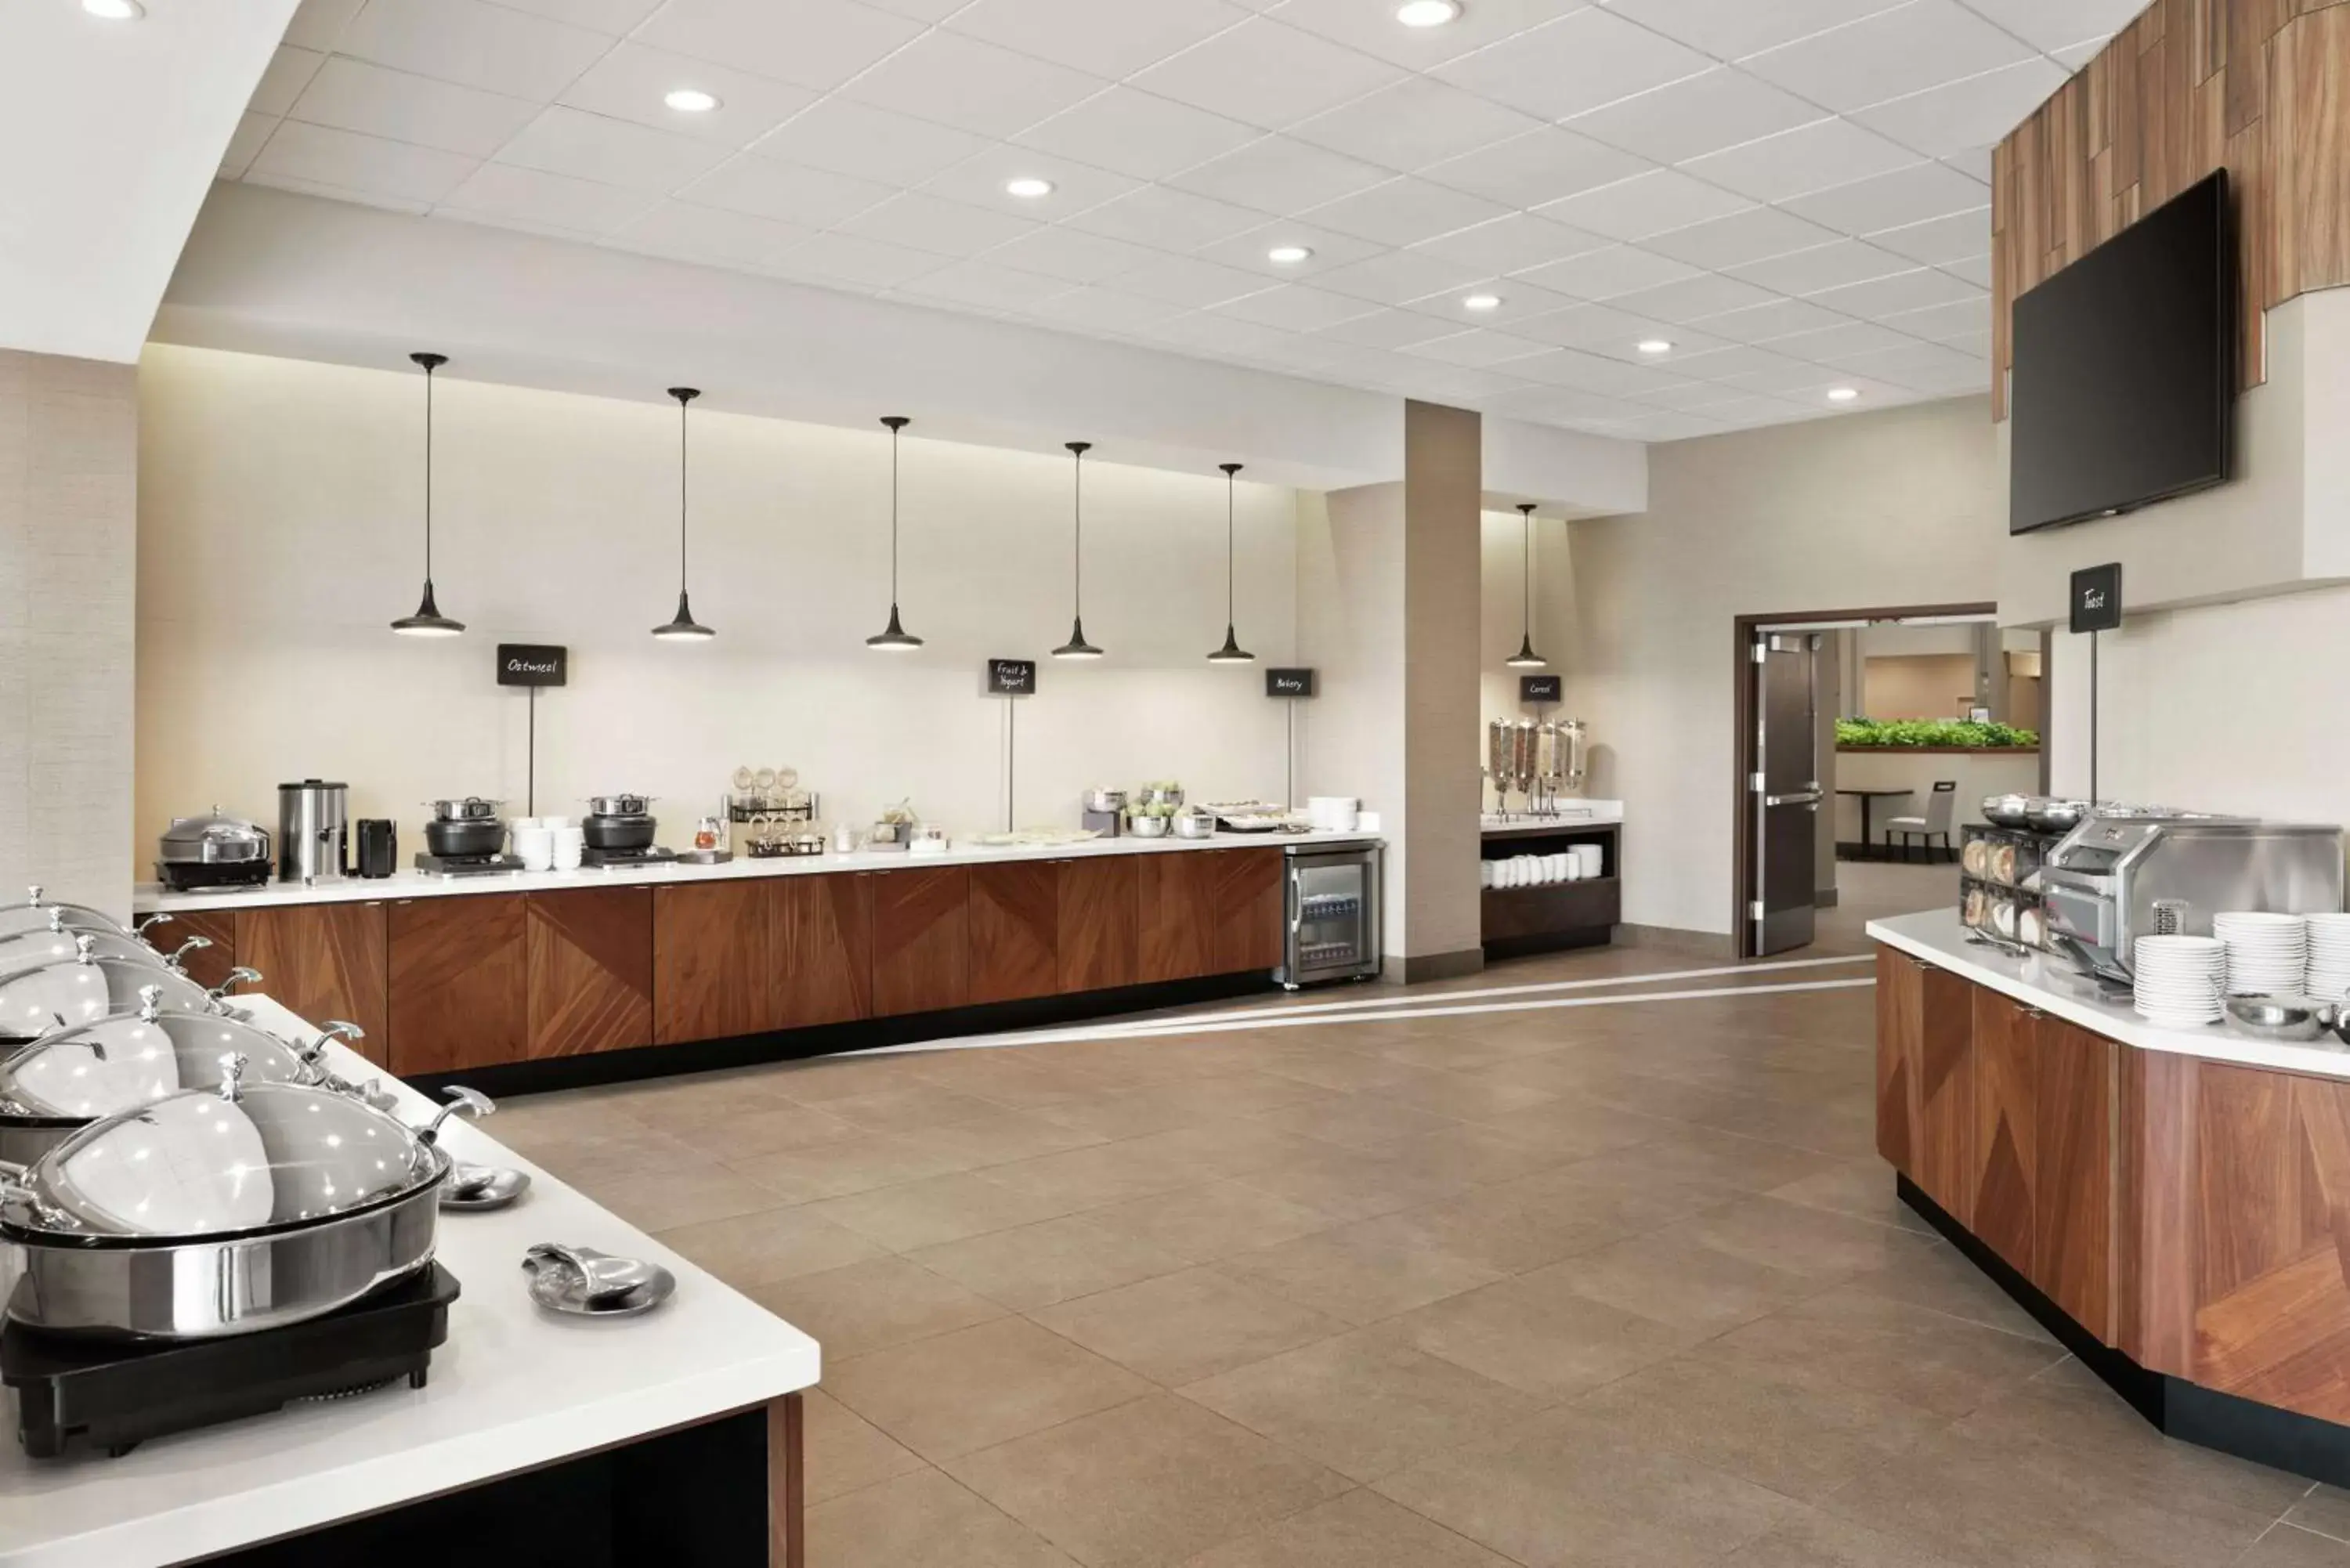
<point>894,637</point>
<point>1231,653</point>
<point>1526,657</point>
<point>682,625</point>
<point>428,620</point>
<point>1077,646</point>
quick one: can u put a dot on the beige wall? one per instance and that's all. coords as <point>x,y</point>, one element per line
<point>1441,632</point>
<point>1918,685</point>
<point>68,489</point>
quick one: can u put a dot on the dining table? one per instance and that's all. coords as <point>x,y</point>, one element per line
<point>1868,799</point>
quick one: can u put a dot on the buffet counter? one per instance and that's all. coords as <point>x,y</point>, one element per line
<point>1552,911</point>
<point>2169,1203</point>
<point>513,1390</point>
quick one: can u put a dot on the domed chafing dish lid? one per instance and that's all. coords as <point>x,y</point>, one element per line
<point>40,1000</point>
<point>213,840</point>
<point>34,915</point>
<point>31,950</point>
<point>129,1060</point>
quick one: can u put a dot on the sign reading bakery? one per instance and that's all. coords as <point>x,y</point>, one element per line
<point>533,664</point>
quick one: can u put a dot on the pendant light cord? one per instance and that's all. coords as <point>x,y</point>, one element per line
<point>893,517</point>
<point>427,475</point>
<point>1527,529</point>
<point>1078,499</point>
<point>1227,549</point>
<point>681,494</point>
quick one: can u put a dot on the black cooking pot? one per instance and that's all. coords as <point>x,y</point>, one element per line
<point>471,835</point>
<point>617,832</point>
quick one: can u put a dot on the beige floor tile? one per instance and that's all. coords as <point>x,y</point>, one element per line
<point>975,1387</point>
<point>607,1146</point>
<point>1354,1186</point>
<point>1504,1230</point>
<point>1939,1278</point>
<point>870,1306</point>
<point>1677,1279</point>
<point>1868,1342</point>
<point>1474,1045</point>
<point>1216,1220</point>
<point>1149,1483</point>
<point>908,1108</point>
<point>1031,1266</point>
<point>664,1199</point>
<point>1226,1146</point>
<point>1007,1136</point>
<point>1361,1272</point>
<point>814,1083</point>
<point>1133,1113</point>
<point>845,1452</point>
<point>1538,1337</point>
<point>1104,1174</point>
<point>1182,1327</point>
<point>1363,1404</point>
<point>936,1209</point>
<point>1341,1070</point>
<point>1362,1122</point>
<point>1810,1241</point>
<point>1747,1165</point>
<point>1360,1530</point>
<point>2286,1547</point>
<point>852,1165</point>
<point>1457,1094</point>
<point>1861,1188</point>
<point>921,1521</point>
<point>1466,1151</point>
<point>770,1129</point>
<point>2326,1509</point>
<point>770,1245</point>
<point>1819,1541</point>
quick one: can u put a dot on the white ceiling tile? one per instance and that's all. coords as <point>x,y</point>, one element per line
<point>1538,167</point>
<point>1189,282</point>
<point>529,198</point>
<point>1893,201</point>
<point>1670,427</point>
<point>1093,306</point>
<point>922,222</point>
<point>1514,242</point>
<point>1924,365</point>
<point>1708,293</point>
<point>1591,373</point>
<point>1519,301</point>
<point>288,72</point>
<point>613,16</point>
<point>1277,174</point>
<point>1827,152</point>
<point>1695,116</point>
<point>706,235</point>
<point>1616,334</point>
<point>1829,267</point>
<point>1399,275</point>
<point>1945,322</point>
<point>1975,343</point>
<point>974,86</point>
<point>1110,39</point>
<point>1976,270</point>
<point>258,176</point>
<point>316,23</point>
<point>1579,62</point>
<point>1974,162</point>
<point>1207,332</point>
<point>1417,121</point>
<point>1168,218</point>
<point>1903,291</point>
<point>1738,360</point>
<point>252,131</point>
<point>1743,412</point>
<point>1753,236</point>
<point>1602,275</point>
<point>1731,29</point>
<point>1372,30</point>
<point>1478,347</point>
<point>1688,395</point>
<point>1138,134</point>
<point>474,44</point>
<point>1834,345</point>
<point>860,263</point>
<point>986,285</point>
<point>1433,381</point>
<point>816,44</point>
<point>1296,307</point>
<point>323,156</point>
<point>2073,57</point>
<point>1907,50</point>
<point>869,143</point>
<point>1072,254</point>
<point>1645,204</point>
<point>1774,320</point>
<point>1404,210</point>
<point>629,84</point>
<point>351,95</point>
<point>1973,111</point>
<point>1249,251</point>
<point>1558,405</point>
<point>787,192</point>
<point>1938,239</point>
<point>920,10</point>
<point>617,152</point>
<point>1390,329</point>
<point>1790,375</point>
<point>2051,24</point>
<point>1266,73</point>
<point>980,181</point>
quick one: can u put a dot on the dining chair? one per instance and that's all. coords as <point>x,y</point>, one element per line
<point>1935,824</point>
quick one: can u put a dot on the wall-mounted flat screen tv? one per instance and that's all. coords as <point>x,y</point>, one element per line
<point>2125,369</point>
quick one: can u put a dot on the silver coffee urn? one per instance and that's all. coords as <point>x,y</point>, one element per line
<point>312,831</point>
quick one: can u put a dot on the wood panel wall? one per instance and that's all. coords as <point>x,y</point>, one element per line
<point>2261,88</point>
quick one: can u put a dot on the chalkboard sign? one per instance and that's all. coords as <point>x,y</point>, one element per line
<point>1012,678</point>
<point>1538,688</point>
<point>533,664</point>
<point>1289,683</point>
<point>2098,597</point>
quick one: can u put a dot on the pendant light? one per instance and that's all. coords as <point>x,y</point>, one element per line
<point>894,637</point>
<point>682,625</point>
<point>1231,653</point>
<point>1526,657</point>
<point>428,620</point>
<point>1077,646</point>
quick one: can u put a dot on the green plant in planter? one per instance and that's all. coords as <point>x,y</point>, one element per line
<point>1893,734</point>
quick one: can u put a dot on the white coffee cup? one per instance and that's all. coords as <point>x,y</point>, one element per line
<point>1590,859</point>
<point>569,842</point>
<point>536,848</point>
<point>556,823</point>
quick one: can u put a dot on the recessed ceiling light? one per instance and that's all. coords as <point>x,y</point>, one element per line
<point>1654,346</point>
<point>1482,302</point>
<point>1843,394</point>
<point>115,10</point>
<point>1288,256</point>
<point>1427,12</point>
<point>690,101</point>
<point>1028,187</point>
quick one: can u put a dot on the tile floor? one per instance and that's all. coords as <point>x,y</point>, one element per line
<point>1620,1286</point>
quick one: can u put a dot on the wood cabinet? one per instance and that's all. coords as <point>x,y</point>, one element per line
<point>1014,930</point>
<point>209,966</point>
<point>2005,1165</point>
<point>820,949</point>
<point>713,971</point>
<point>1097,909</point>
<point>1177,916</point>
<point>2076,1098</point>
<point>323,962</point>
<point>1252,909</point>
<point>459,991</point>
<point>590,978</point>
<point>1925,1078</point>
<point>921,940</point>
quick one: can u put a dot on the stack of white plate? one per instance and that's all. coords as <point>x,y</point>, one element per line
<point>2179,980</point>
<point>2328,978</point>
<point>2268,955</point>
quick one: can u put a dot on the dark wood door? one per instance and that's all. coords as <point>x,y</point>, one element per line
<point>1250,908</point>
<point>713,967</point>
<point>206,966</point>
<point>921,940</point>
<point>1925,1101</point>
<point>591,971</point>
<point>2006,1141</point>
<point>1176,914</point>
<point>459,989</point>
<point>324,961</point>
<point>821,951</point>
<point>1015,941</point>
<point>2074,1093</point>
<point>1096,923</point>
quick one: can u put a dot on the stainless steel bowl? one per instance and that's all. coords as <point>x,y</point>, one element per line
<point>1148,826</point>
<point>2056,815</point>
<point>1194,824</point>
<point>2008,810</point>
<point>2277,1017</point>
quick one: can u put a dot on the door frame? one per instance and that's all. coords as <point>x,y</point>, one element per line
<point>1745,755</point>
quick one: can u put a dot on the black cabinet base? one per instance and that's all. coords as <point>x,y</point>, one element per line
<point>2284,1440</point>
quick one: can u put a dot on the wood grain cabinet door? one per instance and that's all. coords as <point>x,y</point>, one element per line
<point>324,961</point>
<point>1925,1078</point>
<point>460,997</point>
<point>205,966</point>
<point>2076,1091</point>
<point>2007,1127</point>
<point>1176,914</point>
<point>1016,942</point>
<point>591,971</point>
<point>921,940</point>
<point>1096,923</point>
<point>822,949</point>
<point>713,973</point>
<point>1901,1020</point>
<point>1251,904</point>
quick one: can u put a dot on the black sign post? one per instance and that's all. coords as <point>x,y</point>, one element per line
<point>1539,689</point>
<point>533,665</point>
<point>1010,678</point>
<point>1290,687</point>
<point>2096,607</point>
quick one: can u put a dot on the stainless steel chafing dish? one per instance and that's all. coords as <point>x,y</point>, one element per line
<point>36,914</point>
<point>46,998</point>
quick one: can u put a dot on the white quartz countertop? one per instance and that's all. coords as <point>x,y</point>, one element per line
<point>2053,986</point>
<point>150,897</point>
<point>1570,815</point>
<point>514,1387</point>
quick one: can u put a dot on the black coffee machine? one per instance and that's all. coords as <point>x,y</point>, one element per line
<point>379,846</point>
